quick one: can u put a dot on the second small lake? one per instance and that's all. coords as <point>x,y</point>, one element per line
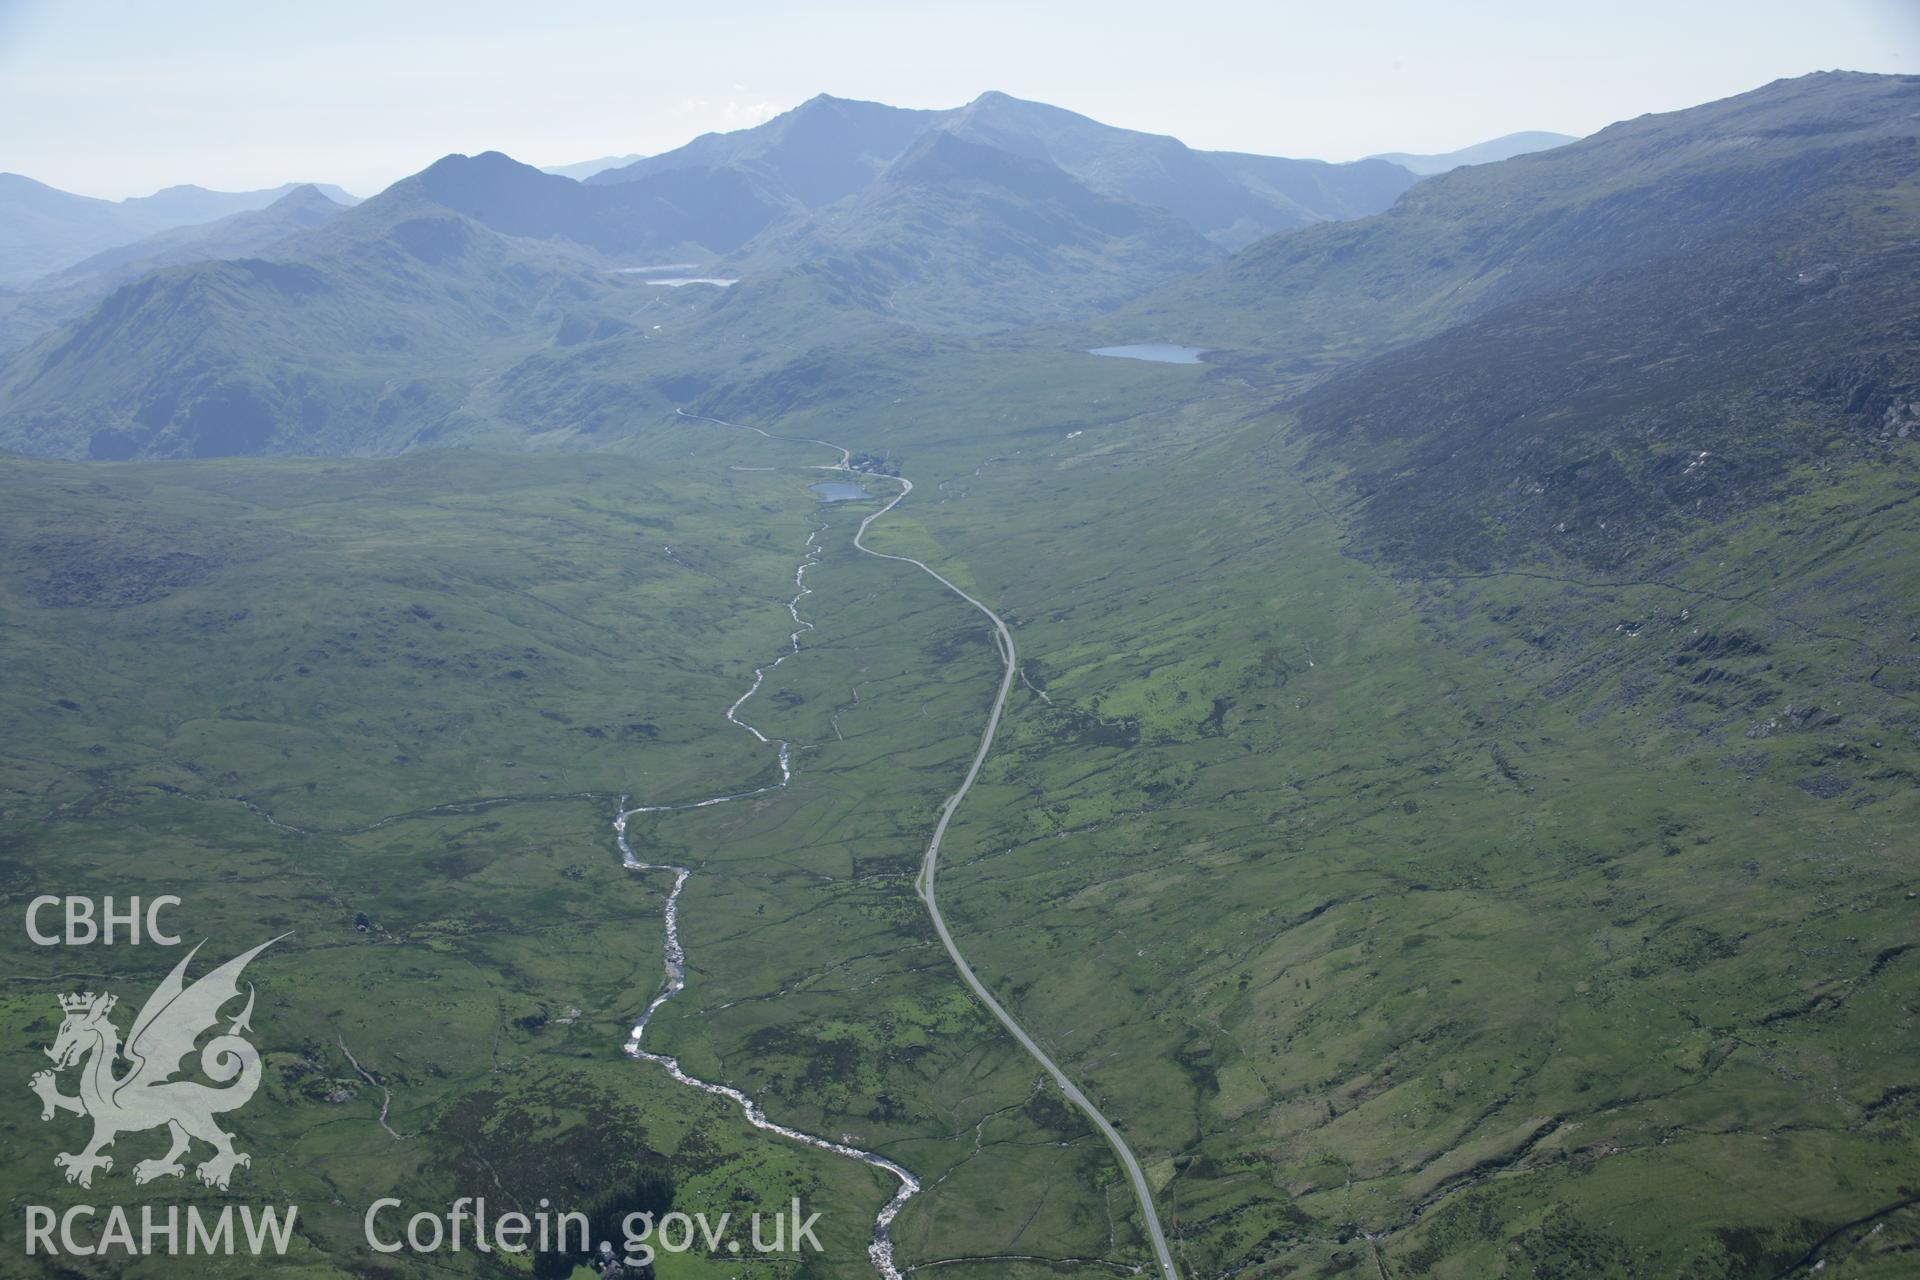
<point>839,491</point>
<point>1158,352</point>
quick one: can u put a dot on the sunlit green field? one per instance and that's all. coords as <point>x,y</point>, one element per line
<point>411,694</point>
<point>1519,925</point>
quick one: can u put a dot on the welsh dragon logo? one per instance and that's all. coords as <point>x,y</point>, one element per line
<point>146,1095</point>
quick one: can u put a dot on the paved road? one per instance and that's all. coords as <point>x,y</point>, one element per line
<point>925,885</point>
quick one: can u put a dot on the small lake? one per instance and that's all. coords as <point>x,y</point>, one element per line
<point>670,274</point>
<point>1158,352</point>
<point>839,491</point>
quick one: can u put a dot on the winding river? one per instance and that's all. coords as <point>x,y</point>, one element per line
<point>880,1250</point>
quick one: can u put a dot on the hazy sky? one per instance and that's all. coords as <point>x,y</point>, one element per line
<point>115,98</point>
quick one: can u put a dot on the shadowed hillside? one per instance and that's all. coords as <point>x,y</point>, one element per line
<point>1467,241</point>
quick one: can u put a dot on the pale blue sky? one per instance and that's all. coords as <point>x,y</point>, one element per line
<point>115,98</point>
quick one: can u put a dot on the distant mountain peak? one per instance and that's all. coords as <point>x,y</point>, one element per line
<point>823,104</point>
<point>44,230</point>
<point>829,149</point>
<point>496,161</point>
<point>939,150</point>
<point>995,104</point>
<point>940,157</point>
<point>1504,147</point>
<point>307,193</point>
<point>467,183</point>
<point>581,170</point>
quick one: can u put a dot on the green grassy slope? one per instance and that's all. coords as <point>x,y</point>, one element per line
<point>1470,922</point>
<point>956,236</point>
<point>1456,820</point>
<point>1462,243</point>
<point>437,675</point>
<point>1595,422</point>
<point>364,336</point>
<point>1444,910</point>
<point>68,293</point>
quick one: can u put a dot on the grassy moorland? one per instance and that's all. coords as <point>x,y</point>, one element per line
<point>1455,814</point>
<point>1540,918</point>
<point>1443,922</point>
<point>365,650</point>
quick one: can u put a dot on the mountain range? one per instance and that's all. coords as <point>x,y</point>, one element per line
<point>43,229</point>
<point>64,294</point>
<point>855,216</point>
<point>1474,238</point>
<point>1452,808</point>
<point>484,296</point>
<point>581,170</point>
<point>236,235</point>
<point>829,148</point>
<point>1505,147</point>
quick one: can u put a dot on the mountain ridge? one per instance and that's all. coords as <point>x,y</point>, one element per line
<point>44,229</point>
<point>955,236</point>
<point>235,235</point>
<point>1482,235</point>
<point>1021,240</point>
<point>839,145</point>
<point>1504,147</point>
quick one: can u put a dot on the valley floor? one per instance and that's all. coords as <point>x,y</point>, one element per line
<point>1523,924</point>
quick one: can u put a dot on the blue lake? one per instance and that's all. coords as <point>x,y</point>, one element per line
<point>1158,352</point>
<point>669,275</point>
<point>839,491</point>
